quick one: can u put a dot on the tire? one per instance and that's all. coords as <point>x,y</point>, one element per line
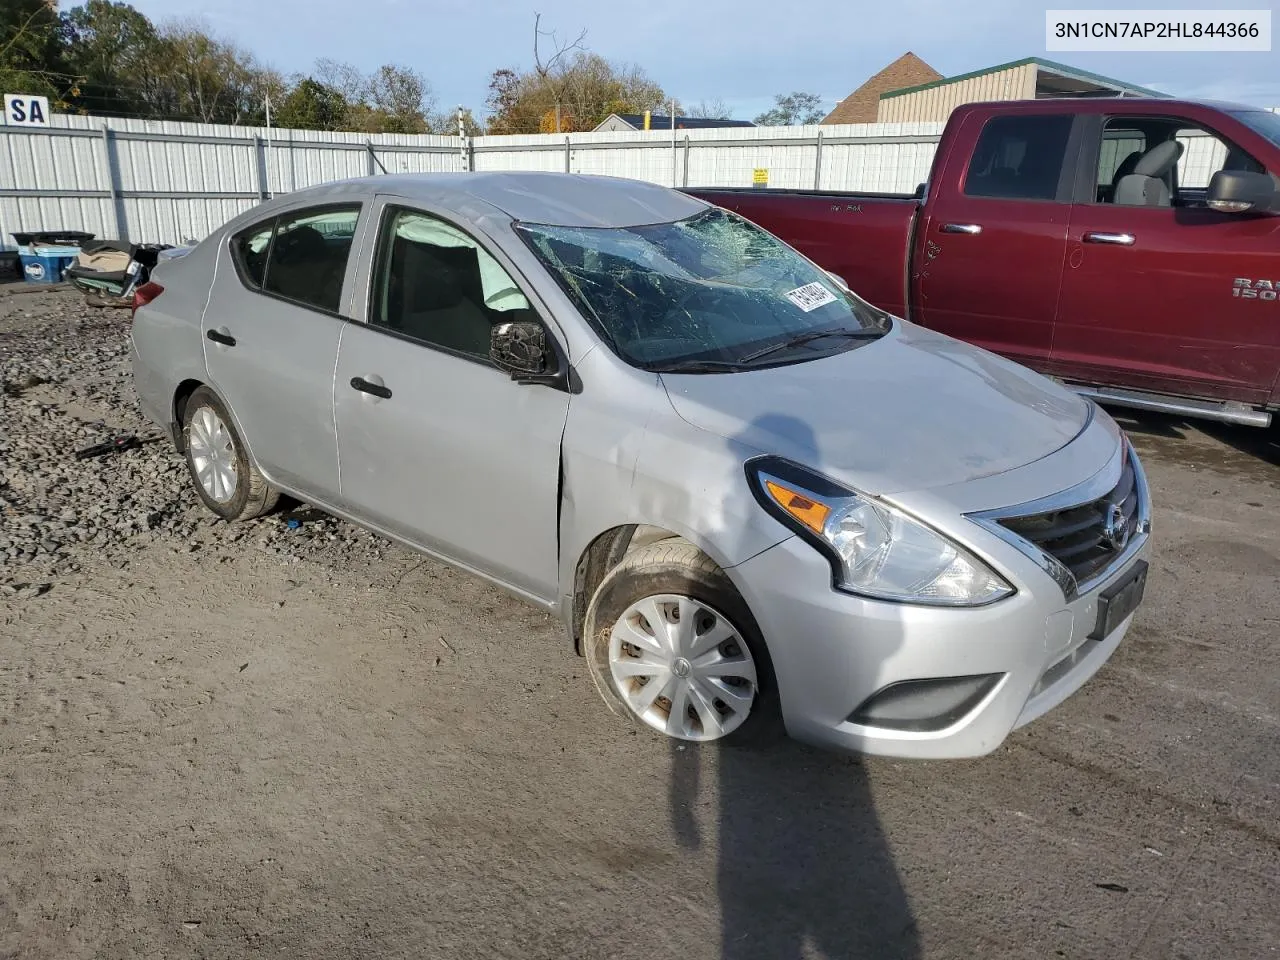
<point>673,580</point>
<point>232,487</point>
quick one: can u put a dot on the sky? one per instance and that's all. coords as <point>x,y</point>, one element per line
<point>741,51</point>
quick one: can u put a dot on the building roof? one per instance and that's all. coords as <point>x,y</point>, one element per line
<point>860,106</point>
<point>1056,79</point>
<point>658,121</point>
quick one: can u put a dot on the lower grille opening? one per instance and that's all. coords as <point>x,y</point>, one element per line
<point>924,706</point>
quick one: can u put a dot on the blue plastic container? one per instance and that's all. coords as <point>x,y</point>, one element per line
<point>45,264</point>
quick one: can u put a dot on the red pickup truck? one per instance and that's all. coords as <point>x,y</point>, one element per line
<point>1128,247</point>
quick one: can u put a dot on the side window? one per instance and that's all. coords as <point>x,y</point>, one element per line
<point>249,247</point>
<point>1121,148</point>
<point>308,257</point>
<point>436,284</point>
<point>1019,157</point>
<point>1203,155</point>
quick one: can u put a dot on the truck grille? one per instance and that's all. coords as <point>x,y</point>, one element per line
<point>1086,539</point>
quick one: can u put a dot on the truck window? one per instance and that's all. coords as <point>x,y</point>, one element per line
<point>1204,154</point>
<point>1120,150</point>
<point>1019,157</point>
<point>1162,161</point>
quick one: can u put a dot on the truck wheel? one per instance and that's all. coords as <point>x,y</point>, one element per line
<point>671,644</point>
<point>224,476</point>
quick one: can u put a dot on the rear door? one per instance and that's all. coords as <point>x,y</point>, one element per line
<point>1174,297</point>
<point>989,249</point>
<point>271,340</point>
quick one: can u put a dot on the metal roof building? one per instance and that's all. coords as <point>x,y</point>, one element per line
<point>1029,79</point>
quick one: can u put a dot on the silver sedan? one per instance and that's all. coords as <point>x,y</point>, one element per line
<point>747,493</point>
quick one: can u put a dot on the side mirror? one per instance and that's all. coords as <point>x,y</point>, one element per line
<point>838,281</point>
<point>1240,191</point>
<point>520,348</point>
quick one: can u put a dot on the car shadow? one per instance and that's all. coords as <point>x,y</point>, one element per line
<point>1261,443</point>
<point>803,865</point>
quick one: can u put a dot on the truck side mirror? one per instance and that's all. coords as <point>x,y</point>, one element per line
<point>520,348</point>
<point>1241,191</point>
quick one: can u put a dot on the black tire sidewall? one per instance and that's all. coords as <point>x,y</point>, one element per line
<point>625,585</point>
<point>231,510</point>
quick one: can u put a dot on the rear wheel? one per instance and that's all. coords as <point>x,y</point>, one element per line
<point>224,476</point>
<point>672,645</point>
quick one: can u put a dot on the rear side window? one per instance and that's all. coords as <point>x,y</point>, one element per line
<point>300,256</point>
<point>249,248</point>
<point>308,256</point>
<point>1019,158</point>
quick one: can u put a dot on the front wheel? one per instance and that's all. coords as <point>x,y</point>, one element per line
<point>672,644</point>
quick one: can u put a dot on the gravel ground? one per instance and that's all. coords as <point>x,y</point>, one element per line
<point>64,385</point>
<point>222,740</point>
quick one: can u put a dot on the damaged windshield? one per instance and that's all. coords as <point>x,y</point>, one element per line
<point>710,293</point>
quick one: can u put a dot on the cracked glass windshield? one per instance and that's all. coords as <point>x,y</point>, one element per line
<point>707,294</point>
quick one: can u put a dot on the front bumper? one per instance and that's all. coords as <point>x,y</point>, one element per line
<point>833,652</point>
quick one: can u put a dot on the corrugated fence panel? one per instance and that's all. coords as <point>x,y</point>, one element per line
<point>174,181</point>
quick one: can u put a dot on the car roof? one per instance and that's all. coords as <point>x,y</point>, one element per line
<point>560,199</point>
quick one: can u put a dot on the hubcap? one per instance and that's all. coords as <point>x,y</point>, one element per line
<point>682,667</point>
<point>213,455</point>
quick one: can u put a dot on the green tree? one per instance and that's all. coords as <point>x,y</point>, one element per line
<point>113,48</point>
<point>791,109</point>
<point>312,105</point>
<point>31,58</point>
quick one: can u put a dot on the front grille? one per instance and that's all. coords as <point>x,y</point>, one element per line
<point>1087,538</point>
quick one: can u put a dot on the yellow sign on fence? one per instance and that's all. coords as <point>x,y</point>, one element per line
<point>760,177</point>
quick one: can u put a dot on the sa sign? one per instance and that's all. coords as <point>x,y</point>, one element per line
<point>24,111</point>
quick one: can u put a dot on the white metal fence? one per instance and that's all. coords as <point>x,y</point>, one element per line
<point>165,182</point>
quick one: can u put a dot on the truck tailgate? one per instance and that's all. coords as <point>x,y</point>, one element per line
<point>865,238</point>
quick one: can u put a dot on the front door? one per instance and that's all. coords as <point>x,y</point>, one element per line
<point>988,255</point>
<point>271,334</point>
<point>435,443</point>
<point>1170,297</point>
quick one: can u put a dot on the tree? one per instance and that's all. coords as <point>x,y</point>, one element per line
<point>791,109</point>
<point>208,80</point>
<point>393,99</point>
<point>549,71</point>
<point>312,105</point>
<point>31,49</point>
<point>572,89</point>
<point>713,109</point>
<point>113,48</point>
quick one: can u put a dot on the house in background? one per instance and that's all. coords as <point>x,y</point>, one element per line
<point>862,105</point>
<point>931,98</point>
<point>657,121</point>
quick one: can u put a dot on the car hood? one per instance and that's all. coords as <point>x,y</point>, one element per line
<point>910,411</point>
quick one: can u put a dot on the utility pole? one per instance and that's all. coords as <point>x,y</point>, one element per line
<point>267,159</point>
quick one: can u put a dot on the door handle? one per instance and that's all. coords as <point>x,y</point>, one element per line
<point>1121,239</point>
<point>374,389</point>
<point>217,336</point>
<point>969,228</point>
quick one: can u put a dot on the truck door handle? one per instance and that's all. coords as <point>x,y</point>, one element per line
<point>1122,239</point>
<point>969,228</point>
<point>374,389</point>
<point>217,336</point>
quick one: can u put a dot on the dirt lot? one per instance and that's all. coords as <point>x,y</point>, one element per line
<point>219,741</point>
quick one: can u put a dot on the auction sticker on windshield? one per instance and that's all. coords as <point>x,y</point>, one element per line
<point>811,296</point>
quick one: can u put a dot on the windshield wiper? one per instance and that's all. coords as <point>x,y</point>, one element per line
<point>800,339</point>
<point>699,366</point>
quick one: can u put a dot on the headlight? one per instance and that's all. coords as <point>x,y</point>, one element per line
<point>875,550</point>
